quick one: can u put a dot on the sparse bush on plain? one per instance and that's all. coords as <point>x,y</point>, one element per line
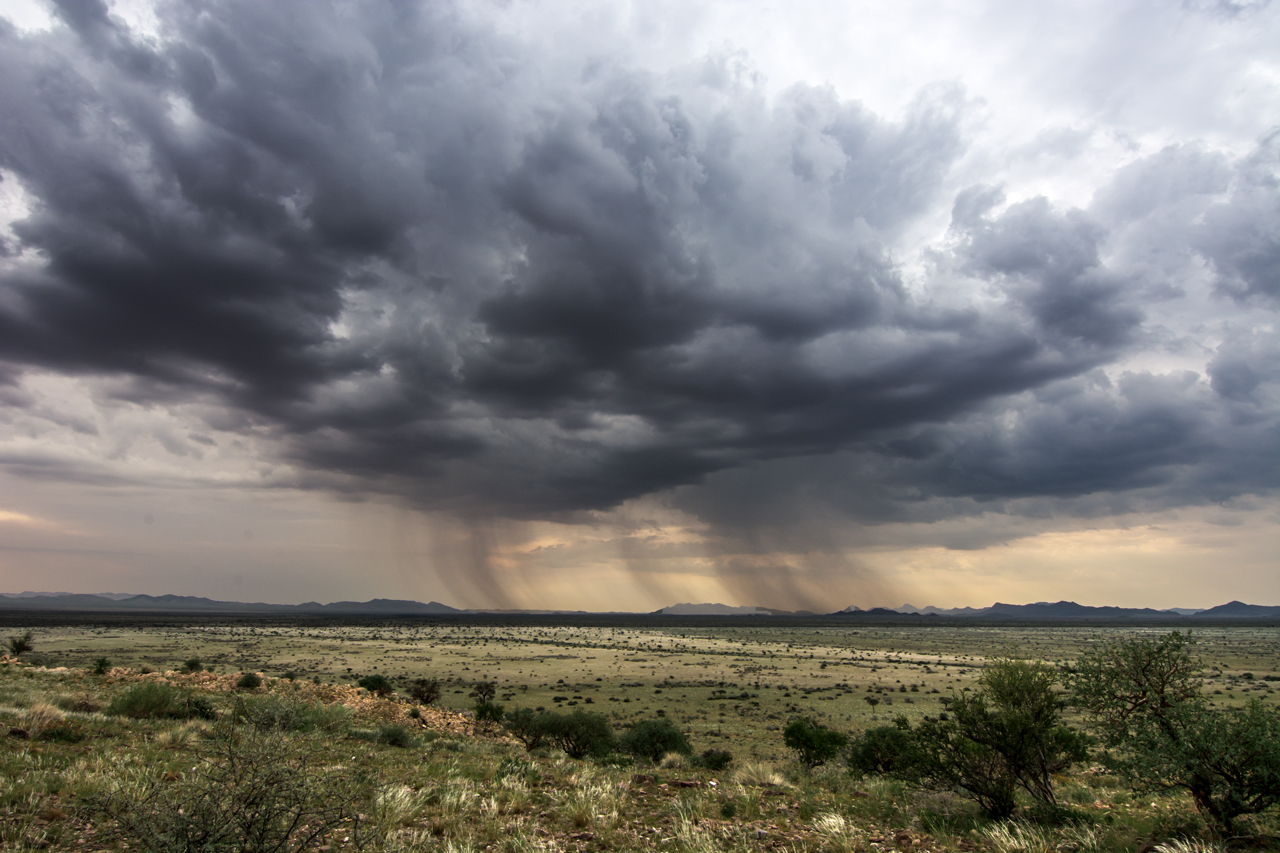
<point>1005,735</point>
<point>378,684</point>
<point>716,759</point>
<point>150,700</point>
<point>425,690</point>
<point>527,726</point>
<point>395,735</point>
<point>882,749</point>
<point>191,665</point>
<point>101,666</point>
<point>19,644</point>
<point>813,743</point>
<point>580,734</point>
<point>249,681</point>
<point>268,713</point>
<point>652,739</point>
<point>251,792</point>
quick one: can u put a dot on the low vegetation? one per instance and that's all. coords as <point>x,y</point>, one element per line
<point>1121,748</point>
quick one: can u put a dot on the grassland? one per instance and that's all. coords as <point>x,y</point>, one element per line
<point>730,684</point>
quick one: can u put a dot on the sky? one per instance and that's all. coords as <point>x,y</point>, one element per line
<point>608,305</point>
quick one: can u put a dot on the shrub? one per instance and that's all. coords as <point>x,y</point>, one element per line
<point>484,691</point>
<point>1142,696</point>
<point>1005,735</point>
<point>101,666</point>
<point>250,792</point>
<point>249,681</point>
<point>148,701</point>
<point>814,744</point>
<point>652,739</point>
<point>376,684</point>
<point>527,726</point>
<point>192,665</point>
<point>267,713</point>
<point>425,690</point>
<point>717,759</point>
<point>489,714</point>
<point>19,644</point>
<point>882,749</point>
<point>395,735</point>
<point>581,733</point>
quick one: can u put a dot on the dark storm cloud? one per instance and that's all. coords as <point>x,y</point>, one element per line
<point>439,265</point>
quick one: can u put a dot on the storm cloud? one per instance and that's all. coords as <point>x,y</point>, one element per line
<point>421,257</point>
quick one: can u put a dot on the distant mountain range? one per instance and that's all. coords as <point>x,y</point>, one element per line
<point>1040,611</point>
<point>192,604</point>
<point>1043,610</point>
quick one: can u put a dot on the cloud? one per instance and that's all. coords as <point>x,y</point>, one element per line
<point>404,253</point>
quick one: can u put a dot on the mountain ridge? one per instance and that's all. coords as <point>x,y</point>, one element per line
<point>1037,611</point>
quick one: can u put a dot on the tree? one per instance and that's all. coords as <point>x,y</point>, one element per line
<point>527,726</point>
<point>425,690</point>
<point>882,749</point>
<point>1143,697</point>
<point>814,744</point>
<point>652,739</point>
<point>484,691</point>
<point>581,733</point>
<point>1015,712</point>
<point>1005,735</point>
<point>19,644</point>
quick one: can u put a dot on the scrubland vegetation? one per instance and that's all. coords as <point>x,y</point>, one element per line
<point>462,737</point>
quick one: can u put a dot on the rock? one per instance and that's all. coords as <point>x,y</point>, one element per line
<point>643,779</point>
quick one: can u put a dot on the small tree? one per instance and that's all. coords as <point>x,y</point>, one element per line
<point>192,665</point>
<point>19,644</point>
<point>652,739</point>
<point>814,744</point>
<point>581,733</point>
<point>1143,697</point>
<point>489,714</point>
<point>484,691</point>
<point>883,749</point>
<point>527,726</point>
<point>425,690</point>
<point>378,684</point>
<point>101,666</point>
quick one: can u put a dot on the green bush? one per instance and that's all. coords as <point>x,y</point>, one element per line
<point>425,690</point>
<point>192,665</point>
<point>489,714</point>
<point>376,684</point>
<point>813,743</point>
<point>395,735</point>
<point>249,681</point>
<point>652,739</point>
<point>580,734</point>
<point>19,644</point>
<point>267,713</point>
<point>149,700</point>
<point>250,793</point>
<point>1005,735</point>
<point>101,666</point>
<point>716,759</point>
<point>1143,697</point>
<point>527,726</point>
<point>882,749</point>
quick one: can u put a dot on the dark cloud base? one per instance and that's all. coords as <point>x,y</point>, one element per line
<point>437,270</point>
